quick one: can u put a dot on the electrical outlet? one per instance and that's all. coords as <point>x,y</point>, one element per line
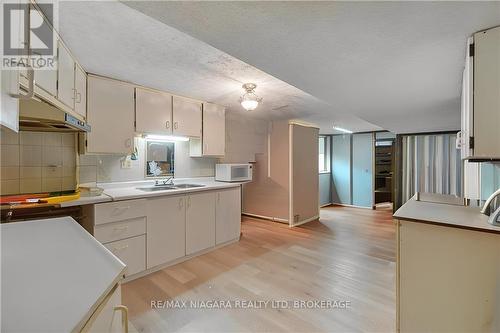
<point>126,163</point>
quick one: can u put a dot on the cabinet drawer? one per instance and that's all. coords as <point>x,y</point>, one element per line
<point>110,232</point>
<point>132,251</point>
<point>118,211</point>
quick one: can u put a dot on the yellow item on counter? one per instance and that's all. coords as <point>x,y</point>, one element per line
<point>62,198</point>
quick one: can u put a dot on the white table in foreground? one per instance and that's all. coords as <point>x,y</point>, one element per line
<point>54,275</point>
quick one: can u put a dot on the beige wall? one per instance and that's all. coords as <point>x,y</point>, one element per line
<point>33,162</point>
<point>267,194</point>
<point>268,143</point>
<point>305,181</point>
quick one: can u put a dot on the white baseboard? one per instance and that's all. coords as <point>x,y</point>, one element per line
<point>274,219</point>
<point>305,221</point>
<point>176,261</point>
<point>351,206</point>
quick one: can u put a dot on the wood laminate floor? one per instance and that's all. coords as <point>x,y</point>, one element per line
<point>348,255</point>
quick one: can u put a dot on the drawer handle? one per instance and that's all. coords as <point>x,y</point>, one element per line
<point>176,125</point>
<point>120,209</point>
<point>124,310</point>
<point>120,248</point>
<point>121,228</point>
<point>181,203</point>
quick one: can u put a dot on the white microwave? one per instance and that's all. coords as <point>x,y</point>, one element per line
<point>233,172</point>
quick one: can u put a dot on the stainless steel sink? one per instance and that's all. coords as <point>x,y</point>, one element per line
<point>168,187</point>
<point>157,188</point>
<point>180,186</point>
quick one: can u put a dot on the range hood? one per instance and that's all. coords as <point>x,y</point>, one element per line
<point>37,115</point>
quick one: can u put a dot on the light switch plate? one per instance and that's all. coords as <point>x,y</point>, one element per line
<point>126,162</point>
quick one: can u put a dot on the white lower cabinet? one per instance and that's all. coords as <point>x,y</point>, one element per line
<point>200,222</point>
<point>152,232</point>
<point>227,215</point>
<point>110,316</point>
<point>132,251</point>
<point>166,240</point>
<point>121,227</point>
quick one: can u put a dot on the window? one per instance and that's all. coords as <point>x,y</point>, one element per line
<point>324,154</point>
<point>159,159</point>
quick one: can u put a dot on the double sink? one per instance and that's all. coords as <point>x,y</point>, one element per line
<point>168,187</point>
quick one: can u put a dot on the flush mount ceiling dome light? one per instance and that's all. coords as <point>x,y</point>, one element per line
<point>250,100</point>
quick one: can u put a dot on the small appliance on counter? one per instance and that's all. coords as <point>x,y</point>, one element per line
<point>231,172</point>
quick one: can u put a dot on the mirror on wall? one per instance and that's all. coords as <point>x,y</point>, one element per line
<point>159,158</point>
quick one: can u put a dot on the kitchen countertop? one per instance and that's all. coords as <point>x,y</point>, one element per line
<point>90,200</point>
<point>54,275</point>
<point>128,190</point>
<point>444,214</point>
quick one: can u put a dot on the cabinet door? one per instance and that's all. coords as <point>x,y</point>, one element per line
<point>111,115</point>
<point>44,78</point>
<point>9,106</point>
<point>66,77</point>
<point>486,93</point>
<point>214,129</point>
<point>81,92</point>
<point>186,117</point>
<point>153,112</point>
<point>227,215</point>
<point>467,128</point>
<point>166,236</point>
<point>200,222</point>
<point>107,319</point>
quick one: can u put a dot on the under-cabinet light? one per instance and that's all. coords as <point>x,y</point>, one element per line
<point>168,138</point>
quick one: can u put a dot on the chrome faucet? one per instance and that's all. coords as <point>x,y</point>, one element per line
<point>168,181</point>
<point>488,208</point>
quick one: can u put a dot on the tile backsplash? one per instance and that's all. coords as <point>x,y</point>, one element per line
<point>107,168</point>
<point>33,162</point>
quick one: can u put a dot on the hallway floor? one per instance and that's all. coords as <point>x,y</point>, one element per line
<point>347,258</point>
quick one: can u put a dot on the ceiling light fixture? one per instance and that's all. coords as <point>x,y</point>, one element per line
<point>343,130</point>
<point>166,138</point>
<point>249,101</point>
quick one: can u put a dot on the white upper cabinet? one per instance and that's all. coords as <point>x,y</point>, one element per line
<point>187,116</point>
<point>153,112</point>
<point>480,135</point>
<point>487,94</point>
<point>45,79</point>
<point>80,91</point>
<point>214,130</point>
<point>66,77</point>
<point>110,112</point>
<point>9,105</point>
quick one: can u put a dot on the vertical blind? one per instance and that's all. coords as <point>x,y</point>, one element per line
<point>431,163</point>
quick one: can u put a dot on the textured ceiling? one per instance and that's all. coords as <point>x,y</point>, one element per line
<point>394,64</point>
<point>112,39</point>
